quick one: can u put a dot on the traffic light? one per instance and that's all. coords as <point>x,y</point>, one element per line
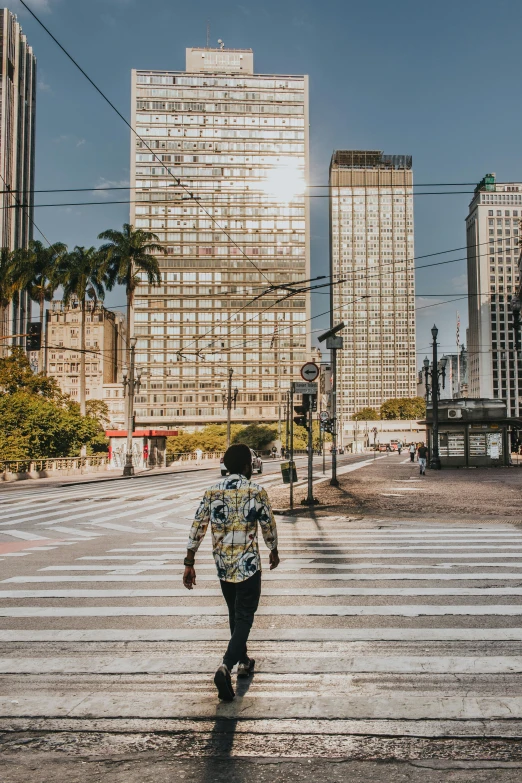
<point>313,397</point>
<point>301,420</point>
<point>33,340</point>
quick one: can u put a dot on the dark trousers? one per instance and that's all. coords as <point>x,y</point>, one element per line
<point>242,600</point>
<point>412,456</point>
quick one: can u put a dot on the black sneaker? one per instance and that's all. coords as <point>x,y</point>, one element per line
<point>223,683</point>
<point>246,669</point>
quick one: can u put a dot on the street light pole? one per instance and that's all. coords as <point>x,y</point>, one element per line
<point>131,384</point>
<point>437,369</point>
<point>229,399</point>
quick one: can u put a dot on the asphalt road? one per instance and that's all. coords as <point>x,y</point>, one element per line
<point>386,645</point>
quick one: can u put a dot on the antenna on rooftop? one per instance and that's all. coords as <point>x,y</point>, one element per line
<point>208,34</point>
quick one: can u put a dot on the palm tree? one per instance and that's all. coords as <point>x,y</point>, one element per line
<point>128,253</point>
<point>7,290</point>
<point>81,274</point>
<point>35,269</point>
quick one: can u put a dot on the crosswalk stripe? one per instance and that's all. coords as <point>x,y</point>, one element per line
<point>23,535</point>
<point>272,634</point>
<point>267,591</point>
<point>269,704</point>
<point>409,610</point>
<point>318,662</point>
<point>377,577</point>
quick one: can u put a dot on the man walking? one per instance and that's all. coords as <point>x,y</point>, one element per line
<point>422,452</point>
<point>412,452</point>
<point>234,507</point>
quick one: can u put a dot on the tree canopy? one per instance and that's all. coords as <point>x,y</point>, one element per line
<point>403,408</point>
<point>38,420</point>
<point>366,414</point>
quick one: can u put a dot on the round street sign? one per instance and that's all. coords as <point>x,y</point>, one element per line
<point>309,371</point>
<point>324,416</point>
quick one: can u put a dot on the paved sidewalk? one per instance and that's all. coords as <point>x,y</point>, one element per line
<point>392,486</point>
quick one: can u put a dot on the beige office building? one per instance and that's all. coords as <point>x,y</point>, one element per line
<point>492,230</point>
<point>105,340</point>
<point>235,226</point>
<point>373,291</point>
<point>17,145</point>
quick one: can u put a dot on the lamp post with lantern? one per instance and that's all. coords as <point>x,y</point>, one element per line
<point>131,384</point>
<point>434,372</point>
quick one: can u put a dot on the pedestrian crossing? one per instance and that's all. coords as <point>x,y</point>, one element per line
<point>365,620</point>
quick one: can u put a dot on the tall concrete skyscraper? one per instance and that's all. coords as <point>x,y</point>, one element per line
<point>236,226</point>
<point>17,117</point>
<point>492,230</point>
<point>373,287</point>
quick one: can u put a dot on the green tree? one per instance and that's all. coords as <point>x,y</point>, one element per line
<point>366,414</point>
<point>16,375</point>
<point>128,255</point>
<point>81,272</point>
<point>257,436</point>
<point>35,269</point>
<point>38,420</point>
<point>98,409</point>
<point>403,408</point>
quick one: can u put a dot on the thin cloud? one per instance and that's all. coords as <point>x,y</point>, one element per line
<point>106,184</point>
<point>43,86</point>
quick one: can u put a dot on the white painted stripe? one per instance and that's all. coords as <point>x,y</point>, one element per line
<point>25,536</point>
<point>76,532</point>
<point>286,662</point>
<point>295,577</point>
<point>261,704</point>
<point>267,591</point>
<point>123,528</point>
<point>410,610</point>
<point>213,634</point>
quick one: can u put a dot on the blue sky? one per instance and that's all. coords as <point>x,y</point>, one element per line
<point>439,81</point>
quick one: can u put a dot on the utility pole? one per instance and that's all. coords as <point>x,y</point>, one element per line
<point>277,359</point>
<point>131,385</point>
<point>333,343</point>
<point>291,393</point>
<point>229,399</point>
<point>288,416</point>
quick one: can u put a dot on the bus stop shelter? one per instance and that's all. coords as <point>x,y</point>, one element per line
<point>472,432</point>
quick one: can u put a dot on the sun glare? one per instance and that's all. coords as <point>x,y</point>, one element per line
<point>285,181</point>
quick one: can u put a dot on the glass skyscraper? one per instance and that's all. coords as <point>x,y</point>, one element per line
<point>234,232</point>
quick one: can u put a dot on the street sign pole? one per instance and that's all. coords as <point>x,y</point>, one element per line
<point>310,495</point>
<point>291,446</point>
<point>334,343</point>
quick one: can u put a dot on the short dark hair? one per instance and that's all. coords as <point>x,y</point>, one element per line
<point>236,457</point>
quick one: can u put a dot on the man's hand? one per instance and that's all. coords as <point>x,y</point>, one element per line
<point>189,577</point>
<point>273,559</point>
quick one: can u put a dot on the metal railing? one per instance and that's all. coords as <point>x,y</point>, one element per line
<point>56,463</point>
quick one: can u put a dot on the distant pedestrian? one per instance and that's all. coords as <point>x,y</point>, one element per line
<point>399,448</point>
<point>422,452</point>
<point>234,507</point>
<point>412,452</point>
<point>199,455</point>
<point>274,452</point>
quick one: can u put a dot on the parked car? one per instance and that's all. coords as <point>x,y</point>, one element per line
<point>257,464</point>
<point>383,446</point>
<point>394,445</point>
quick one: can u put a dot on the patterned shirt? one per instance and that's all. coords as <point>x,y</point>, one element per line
<point>234,506</point>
